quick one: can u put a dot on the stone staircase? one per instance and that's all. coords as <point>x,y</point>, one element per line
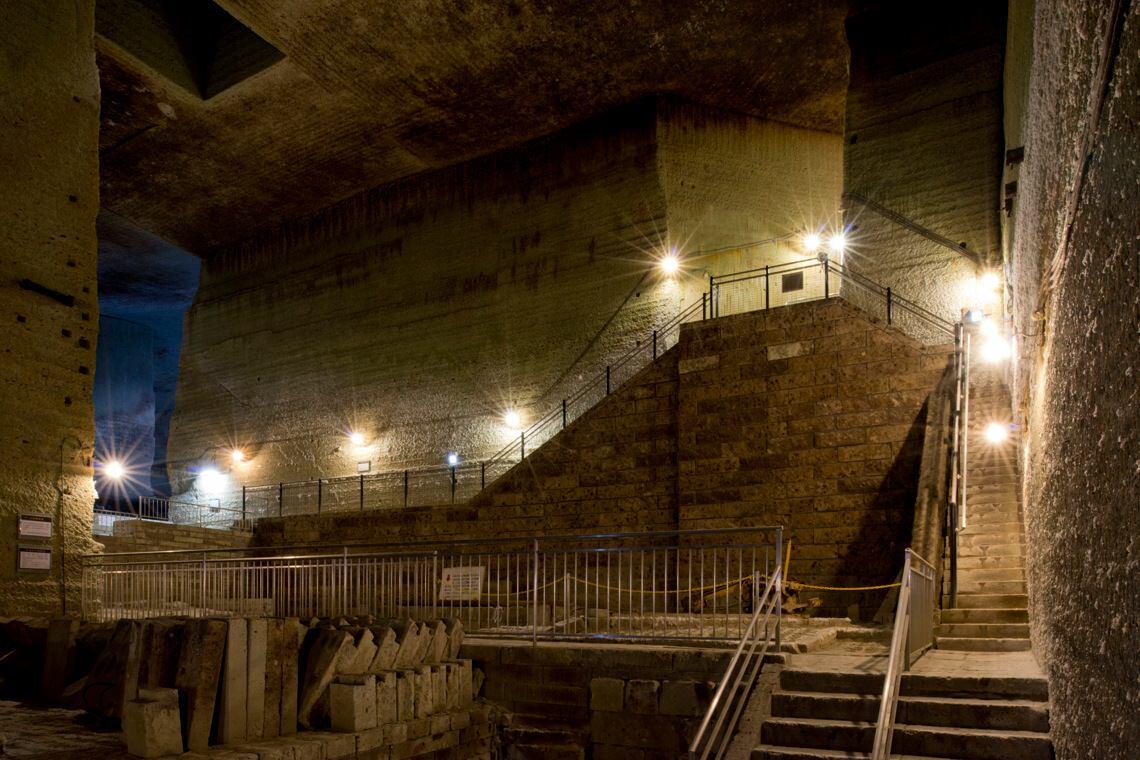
<point>823,714</point>
<point>991,611</point>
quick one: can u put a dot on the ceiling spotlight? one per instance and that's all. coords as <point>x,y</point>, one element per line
<point>357,439</point>
<point>512,419</point>
<point>114,470</point>
<point>669,264</point>
<point>996,432</point>
<point>812,242</point>
<point>237,455</point>
<point>452,459</point>
<point>837,243</point>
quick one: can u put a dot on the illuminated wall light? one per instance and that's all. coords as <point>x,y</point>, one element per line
<point>837,243</point>
<point>114,470</point>
<point>974,316</point>
<point>995,349</point>
<point>989,281</point>
<point>812,242</point>
<point>452,459</point>
<point>996,432</point>
<point>512,419</point>
<point>237,455</point>
<point>669,264</point>
<point>357,439</point>
<point>211,481</point>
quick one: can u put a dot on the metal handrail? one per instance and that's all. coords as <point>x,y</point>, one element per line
<point>718,725</point>
<point>912,636</point>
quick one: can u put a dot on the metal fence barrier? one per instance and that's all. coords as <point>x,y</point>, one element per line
<point>913,635</point>
<point>694,585</point>
<point>169,511</point>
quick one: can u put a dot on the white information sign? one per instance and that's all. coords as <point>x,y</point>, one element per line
<point>461,584</point>
<point>35,526</point>
<point>35,558</point>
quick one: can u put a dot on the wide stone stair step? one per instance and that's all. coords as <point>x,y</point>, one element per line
<point>987,539</point>
<point>964,644</point>
<point>968,585</point>
<point>988,601</point>
<point>806,704</point>
<point>832,682</point>
<point>980,574</point>
<point>983,630</point>
<point>967,615</point>
<point>992,528</point>
<point>1000,562</point>
<point>1019,715</point>
<point>820,733</point>
<point>971,743</point>
<point>992,550</point>
<point>815,753</point>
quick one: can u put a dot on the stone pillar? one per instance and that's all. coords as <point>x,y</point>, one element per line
<point>50,194</point>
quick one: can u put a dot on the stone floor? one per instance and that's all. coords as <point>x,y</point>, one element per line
<point>871,657</point>
<point>28,730</point>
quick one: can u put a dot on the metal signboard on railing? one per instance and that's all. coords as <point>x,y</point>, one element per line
<point>461,584</point>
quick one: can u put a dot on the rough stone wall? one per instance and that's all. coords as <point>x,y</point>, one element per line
<point>730,179</point>
<point>419,312</point>
<point>923,139</point>
<point>1076,304</point>
<point>143,535</point>
<point>611,470</point>
<point>626,701</point>
<point>811,416</point>
<point>50,195</point>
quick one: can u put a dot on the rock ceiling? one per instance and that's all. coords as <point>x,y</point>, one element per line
<point>369,91</point>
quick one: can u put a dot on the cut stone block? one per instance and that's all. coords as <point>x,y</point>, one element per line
<point>258,640</point>
<point>320,666</point>
<point>607,694</point>
<point>438,689</point>
<point>151,724</point>
<point>352,705</point>
<point>162,644</point>
<point>199,671</point>
<point>290,651</point>
<point>272,709</point>
<point>437,645</point>
<point>232,711</point>
<point>641,696</point>
<point>59,651</point>
<point>386,649</point>
<point>362,655</point>
<point>386,698</point>
<point>405,695</point>
<point>408,640</point>
<point>452,672</point>
<point>425,700</point>
<point>466,691</point>
<point>681,698</point>
<point>454,637</point>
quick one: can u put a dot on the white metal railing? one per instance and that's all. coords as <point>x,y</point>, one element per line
<point>170,511</point>
<point>959,453</point>
<point>913,635</point>
<point>690,585</point>
<point>717,727</point>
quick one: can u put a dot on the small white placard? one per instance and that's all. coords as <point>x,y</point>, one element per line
<point>363,466</point>
<point>35,526</point>
<point>35,558</point>
<point>461,584</point>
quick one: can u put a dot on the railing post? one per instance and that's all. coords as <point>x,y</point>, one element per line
<point>607,379</point>
<point>889,305</point>
<point>780,583</point>
<point>704,307</point>
<point>482,475</point>
<point>534,598</point>
<point>243,502</point>
<point>655,345</point>
<point>767,292</point>
<point>454,481</point>
<point>522,445</point>
<point>827,278</point>
<point>320,491</point>
<point>564,413</point>
<point>202,582</point>
<point>362,492</point>
<point>405,488</point>
<point>280,499</point>
<point>964,504</point>
<point>344,581</point>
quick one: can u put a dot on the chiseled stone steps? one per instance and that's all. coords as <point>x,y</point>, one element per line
<point>978,615</point>
<point>967,644</point>
<point>983,630</point>
<point>831,714</point>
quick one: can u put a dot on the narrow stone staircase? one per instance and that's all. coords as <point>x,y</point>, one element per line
<point>990,613</point>
<point>821,714</point>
